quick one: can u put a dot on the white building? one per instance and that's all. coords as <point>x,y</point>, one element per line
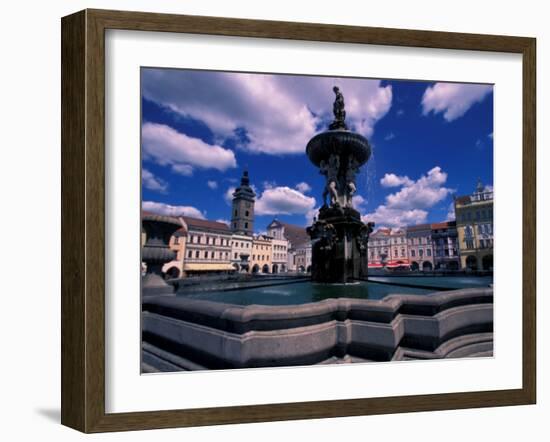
<point>280,246</point>
<point>297,253</point>
<point>208,247</point>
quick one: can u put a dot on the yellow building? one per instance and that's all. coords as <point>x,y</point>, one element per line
<point>474,224</point>
<point>262,249</point>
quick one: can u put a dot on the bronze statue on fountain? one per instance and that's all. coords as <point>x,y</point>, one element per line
<point>339,237</point>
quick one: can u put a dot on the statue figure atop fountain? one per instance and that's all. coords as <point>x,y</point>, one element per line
<point>338,108</point>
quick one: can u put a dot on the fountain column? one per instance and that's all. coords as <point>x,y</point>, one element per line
<point>339,237</point>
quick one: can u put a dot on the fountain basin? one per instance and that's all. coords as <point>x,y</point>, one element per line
<point>180,333</point>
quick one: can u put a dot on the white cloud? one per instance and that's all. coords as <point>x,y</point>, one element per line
<point>212,184</point>
<point>490,135</point>
<point>169,210</point>
<point>303,187</point>
<point>283,201</point>
<point>182,169</point>
<point>453,99</point>
<point>359,202</point>
<point>389,137</point>
<point>224,221</point>
<point>392,180</point>
<point>152,182</point>
<point>228,195</point>
<point>408,205</point>
<point>169,147</point>
<point>278,113</point>
<point>386,216</point>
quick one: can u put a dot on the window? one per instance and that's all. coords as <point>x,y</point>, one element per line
<point>480,229</point>
<point>402,253</point>
<point>246,213</point>
<point>176,240</point>
<point>235,255</point>
<point>190,254</point>
<point>234,225</point>
<point>413,253</point>
<point>469,244</point>
<point>197,254</point>
<point>429,252</point>
<point>246,225</point>
<point>421,252</point>
<point>395,252</point>
<point>206,254</point>
<point>236,212</point>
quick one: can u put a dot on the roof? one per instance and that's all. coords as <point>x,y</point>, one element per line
<point>381,232</point>
<point>205,224</point>
<point>443,225</point>
<point>419,228</point>
<point>465,199</point>
<point>297,235</point>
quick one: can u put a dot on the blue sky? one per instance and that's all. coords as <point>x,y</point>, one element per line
<point>200,129</point>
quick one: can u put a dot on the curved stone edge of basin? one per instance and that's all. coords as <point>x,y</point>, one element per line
<point>460,326</point>
<point>241,319</point>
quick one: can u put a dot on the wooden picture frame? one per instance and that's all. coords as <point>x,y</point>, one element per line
<point>83,220</point>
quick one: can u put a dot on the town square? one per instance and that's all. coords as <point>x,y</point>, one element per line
<point>274,220</point>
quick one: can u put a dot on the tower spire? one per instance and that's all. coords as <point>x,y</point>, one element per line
<point>242,210</point>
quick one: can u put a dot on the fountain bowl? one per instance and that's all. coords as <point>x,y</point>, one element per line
<point>340,142</point>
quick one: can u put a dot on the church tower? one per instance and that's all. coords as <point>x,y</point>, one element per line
<point>242,211</point>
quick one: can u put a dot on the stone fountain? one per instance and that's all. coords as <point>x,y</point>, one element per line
<point>339,237</point>
<point>156,252</point>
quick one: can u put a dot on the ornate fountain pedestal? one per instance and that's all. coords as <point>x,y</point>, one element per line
<point>156,252</point>
<point>339,237</point>
<point>339,250</point>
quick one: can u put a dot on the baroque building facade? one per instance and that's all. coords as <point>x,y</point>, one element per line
<point>419,242</point>
<point>388,248</point>
<point>474,223</point>
<point>445,246</point>
<point>261,261</point>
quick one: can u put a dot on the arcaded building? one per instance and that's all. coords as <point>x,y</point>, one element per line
<point>419,242</point>
<point>445,246</point>
<point>474,223</point>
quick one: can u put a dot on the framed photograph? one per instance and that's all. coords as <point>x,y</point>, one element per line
<point>268,220</point>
